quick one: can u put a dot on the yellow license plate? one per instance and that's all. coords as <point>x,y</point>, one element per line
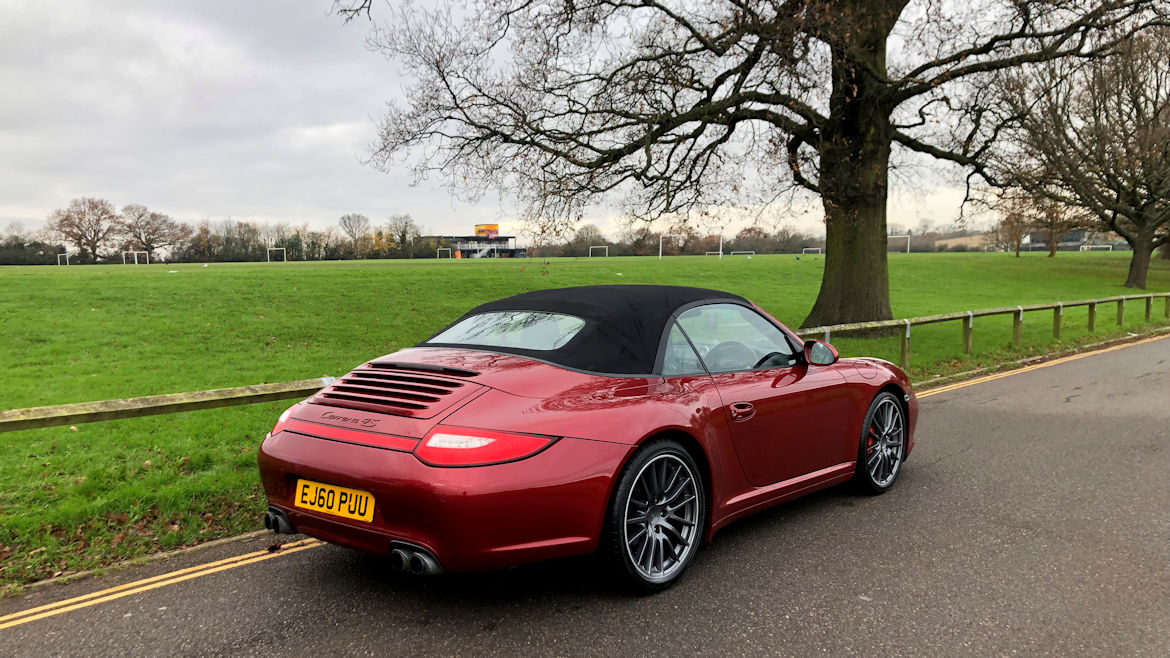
<point>338,501</point>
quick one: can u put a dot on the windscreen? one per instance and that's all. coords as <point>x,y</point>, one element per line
<point>527,330</point>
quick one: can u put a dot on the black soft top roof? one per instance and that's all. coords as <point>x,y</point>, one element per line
<point>624,325</point>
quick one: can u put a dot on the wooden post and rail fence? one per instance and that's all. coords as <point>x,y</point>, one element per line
<point>967,319</point>
<point>88,412</point>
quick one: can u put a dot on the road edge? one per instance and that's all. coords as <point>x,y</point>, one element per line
<point>1007,366</point>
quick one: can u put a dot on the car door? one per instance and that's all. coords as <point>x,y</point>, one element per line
<point>787,418</point>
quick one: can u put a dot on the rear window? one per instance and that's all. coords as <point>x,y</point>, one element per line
<point>526,330</point>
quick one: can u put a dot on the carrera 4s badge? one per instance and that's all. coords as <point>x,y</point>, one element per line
<point>356,420</point>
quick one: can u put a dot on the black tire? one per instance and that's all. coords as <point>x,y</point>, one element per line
<point>674,517</point>
<point>879,460</point>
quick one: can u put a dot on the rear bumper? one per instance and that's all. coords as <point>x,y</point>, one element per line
<point>485,517</point>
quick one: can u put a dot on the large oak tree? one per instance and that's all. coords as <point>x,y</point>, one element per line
<point>683,106</point>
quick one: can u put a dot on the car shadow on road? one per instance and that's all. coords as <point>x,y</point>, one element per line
<point>727,562</point>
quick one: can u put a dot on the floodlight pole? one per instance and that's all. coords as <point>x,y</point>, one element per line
<point>660,239</point>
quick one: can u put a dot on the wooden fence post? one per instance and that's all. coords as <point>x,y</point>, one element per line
<point>1057,318</point>
<point>968,341</point>
<point>904,348</point>
<point>1121,311</point>
<point>1092,316</point>
<point>1018,327</point>
<point>1167,311</point>
<point>1149,307</point>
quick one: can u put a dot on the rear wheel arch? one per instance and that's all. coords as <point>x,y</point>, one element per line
<point>697,453</point>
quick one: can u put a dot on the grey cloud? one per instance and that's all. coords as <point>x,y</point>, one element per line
<point>202,109</point>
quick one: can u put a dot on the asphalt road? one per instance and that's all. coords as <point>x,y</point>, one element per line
<point>1033,518</point>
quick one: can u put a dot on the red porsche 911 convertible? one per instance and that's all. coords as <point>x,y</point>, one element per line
<point>631,420</point>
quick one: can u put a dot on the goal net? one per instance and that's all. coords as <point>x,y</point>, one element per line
<point>811,250</point>
<point>283,254</point>
<point>1096,247</point>
<point>441,250</point>
<point>134,255</point>
<point>603,247</point>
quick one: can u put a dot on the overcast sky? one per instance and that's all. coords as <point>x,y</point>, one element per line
<point>257,110</point>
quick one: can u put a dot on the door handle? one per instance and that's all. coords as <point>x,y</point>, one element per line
<point>741,411</point>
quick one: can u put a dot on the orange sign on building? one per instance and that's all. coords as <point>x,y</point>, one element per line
<point>487,230</point>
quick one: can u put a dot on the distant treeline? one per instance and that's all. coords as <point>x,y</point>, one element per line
<point>94,231</point>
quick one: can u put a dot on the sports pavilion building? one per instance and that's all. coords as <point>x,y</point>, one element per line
<point>486,243</point>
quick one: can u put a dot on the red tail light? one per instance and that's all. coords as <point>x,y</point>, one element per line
<point>460,446</point>
<point>280,422</point>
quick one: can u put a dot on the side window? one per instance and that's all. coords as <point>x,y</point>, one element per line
<point>680,357</point>
<point>730,337</point>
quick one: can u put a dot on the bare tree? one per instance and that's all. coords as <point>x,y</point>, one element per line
<point>586,236</point>
<point>1097,137</point>
<point>1015,224</point>
<point>150,230</point>
<point>88,224</point>
<point>403,231</point>
<point>680,106</point>
<point>354,226</point>
<point>752,238</point>
<point>1054,220</point>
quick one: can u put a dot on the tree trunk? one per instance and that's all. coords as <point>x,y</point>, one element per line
<point>854,174</point>
<point>1053,242</point>
<point>1139,264</point>
<point>855,283</point>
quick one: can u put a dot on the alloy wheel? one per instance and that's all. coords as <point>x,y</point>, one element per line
<point>885,442</point>
<point>660,529</point>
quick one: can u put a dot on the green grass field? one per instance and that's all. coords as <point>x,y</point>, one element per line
<point>76,498</point>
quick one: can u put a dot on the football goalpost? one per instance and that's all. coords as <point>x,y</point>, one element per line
<point>135,253</point>
<point>1096,247</point>
<point>811,250</point>
<point>889,237</point>
<point>441,250</point>
<point>600,246</point>
<point>283,254</point>
<point>743,253</point>
<point>59,258</point>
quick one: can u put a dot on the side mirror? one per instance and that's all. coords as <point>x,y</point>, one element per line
<point>820,353</point>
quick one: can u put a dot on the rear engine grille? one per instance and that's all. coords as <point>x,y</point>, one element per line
<point>387,392</point>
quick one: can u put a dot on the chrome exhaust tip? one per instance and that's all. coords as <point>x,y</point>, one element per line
<point>278,522</point>
<point>413,558</point>
<point>399,559</point>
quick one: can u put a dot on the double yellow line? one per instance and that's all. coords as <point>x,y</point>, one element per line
<point>147,584</point>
